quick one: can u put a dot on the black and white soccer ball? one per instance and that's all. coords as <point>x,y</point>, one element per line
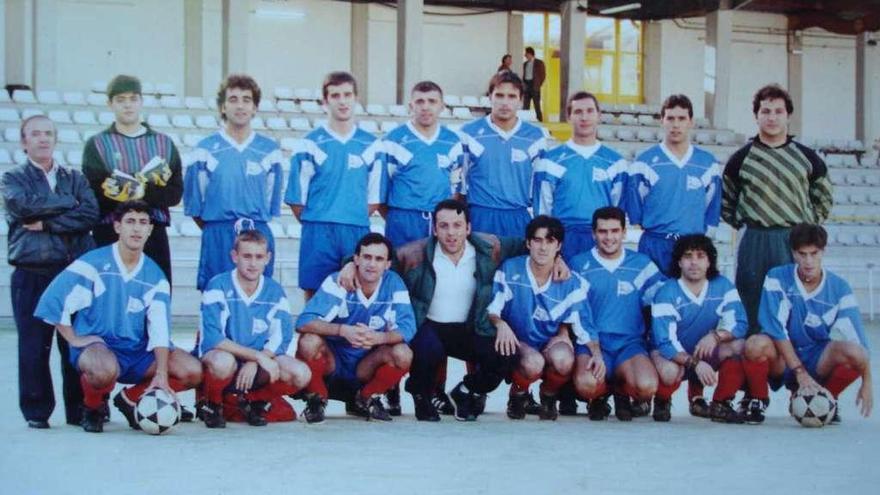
<point>813,410</point>
<point>157,412</point>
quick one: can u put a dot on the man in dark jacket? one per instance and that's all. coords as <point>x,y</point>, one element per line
<point>50,210</point>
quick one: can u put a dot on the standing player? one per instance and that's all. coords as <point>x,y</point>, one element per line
<point>674,188</point>
<point>129,160</point>
<point>233,179</point>
<point>770,184</point>
<point>424,166</point>
<point>578,177</point>
<point>534,317</point>
<point>698,327</point>
<point>245,333</point>
<point>357,338</point>
<point>622,282</point>
<point>501,151</point>
<point>336,182</point>
<point>812,334</point>
<point>112,305</point>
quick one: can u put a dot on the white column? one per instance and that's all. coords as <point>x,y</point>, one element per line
<point>796,81</point>
<point>719,26</point>
<point>19,41</point>
<point>653,72</point>
<point>360,53</point>
<point>515,43</point>
<point>573,40</point>
<point>867,92</point>
<point>409,46</point>
<point>236,17</point>
<point>45,20</point>
<point>193,57</point>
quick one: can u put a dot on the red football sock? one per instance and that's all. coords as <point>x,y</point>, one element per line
<point>552,382</point>
<point>316,385</point>
<point>730,378</point>
<point>134,392</point>
<point>695,389</point>
<point>385,377</point>
<point>519,381</point>
<point>756,378</point>
<point>271,391</point>
<point>93,398</point>
<point>213,387</point>
<point>625,389</point>
<point>840,378</point>
<point>665,391</point>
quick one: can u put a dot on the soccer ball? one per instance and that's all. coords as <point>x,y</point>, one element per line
<point>813,410</point>
<point>157,412</point>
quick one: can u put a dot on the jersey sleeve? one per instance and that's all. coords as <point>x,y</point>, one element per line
<point>74,289</point>
<point>775,309</point>
<point>649,281</point>
<point>847,324</point>
<point>280,328</point>
<point>274,181</point>
<point>732,313</point>
<point>501,292</point>
<point>377,182</point>
<point>304,159</point>
<point>473,150</point>
<point>158,303</point>
<point>214,317</point>
<point>664,325</point>
<point>712,183</point>
<point>548,173</point>
<point>327,304</point>
<point>403,318</point>
<point>580,315</point>
<point>456,168</point>
<point>199,164</point>
<point>640,179</point>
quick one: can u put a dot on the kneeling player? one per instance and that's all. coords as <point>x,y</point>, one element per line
<point>246,329</point>
<point>811,330</point>
<point>698,323</point>
<point>533,316</point>
<point>112,306</point>
<point>357,339</point>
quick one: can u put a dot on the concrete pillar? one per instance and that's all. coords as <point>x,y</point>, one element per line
<point>409,46</point>
<point>19,42</point>
<point>360,53</point>
<point>796,81</point>
<point>193,59</point>
<point>236,17</point>
<point>45,40</point>
<point>515,44</point>
<point>573,41</point>
<point>718,59</point>
<point>653,73</point>
<point>867,92</point>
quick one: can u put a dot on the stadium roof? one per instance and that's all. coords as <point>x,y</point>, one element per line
<point>838,16</point>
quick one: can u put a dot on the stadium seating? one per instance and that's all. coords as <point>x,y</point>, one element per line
<point>60,116</point>
<point>49,97</point>
<point>74,98</point>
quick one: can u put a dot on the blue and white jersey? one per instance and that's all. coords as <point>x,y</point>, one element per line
<point>619,289</point>
<point>336,177</point>
<point>226,181</point>
<point>573,181</point>
<point>387,309</point>
<point>830,312</point>
<point>97,295</point>
<point>261,321</point>
<point>422,171</point>
<point>499,165</point>
<point>679,319</point>
<point>666,195</point>
<point>535,313</point>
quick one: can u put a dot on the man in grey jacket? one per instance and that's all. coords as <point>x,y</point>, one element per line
<point>50,210</point>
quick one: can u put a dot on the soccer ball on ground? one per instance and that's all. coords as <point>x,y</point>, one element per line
<point>813,410</point>
<point>157,412</point>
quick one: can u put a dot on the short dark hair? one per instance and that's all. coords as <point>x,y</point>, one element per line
<point>373,238</point>
<point>426,87</point>
<point>609,213</point>
<point>530,50</point>
<point>694,242</point>
<point>336,78</point>
<point>123,83</point>
<point>772,92</point>
<point>254,236</point>
<point>554,227</point>
<point>239,81</point>
<point>506,77</point>
<point>454,205</point>
<point>135,205</point>
<point>581,95</point>
<point>32,118</point>
<point>807,234</point>
<point>680,101</point>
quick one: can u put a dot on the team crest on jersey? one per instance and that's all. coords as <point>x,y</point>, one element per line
<point>229,294</point>
<point>813,320</point>
<point>253,168</point>
<point>541,314</point>
<point>624,288</point>
<point>106,267</point>
<point>135,305</point>
<point>515,277</point>
<point>377,322</point>
<point>518,155</point>
<point>693,183</point>
<point>260,326</point>
<point>443,161</point>
<point>600,175</point>
<point>355,161</point>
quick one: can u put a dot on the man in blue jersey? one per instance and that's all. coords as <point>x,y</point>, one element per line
<point>579,176</point>
<point>355,342</point>
<point>811,331</point>
<point>698,326</point>
<point>674,188</point>
<point>112,305</point>
<point>233,179</point>
<point>244,336</point>
<point>535,318</point>
<point>501,151</point>
<point>336,182</point>
<point>622,282</point>
<point>424,166</point>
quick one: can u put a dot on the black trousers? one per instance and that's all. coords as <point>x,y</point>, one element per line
<point>435,341</point>
<point>36,396</point>
<point>156,247</point>
<point>532,93</point>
